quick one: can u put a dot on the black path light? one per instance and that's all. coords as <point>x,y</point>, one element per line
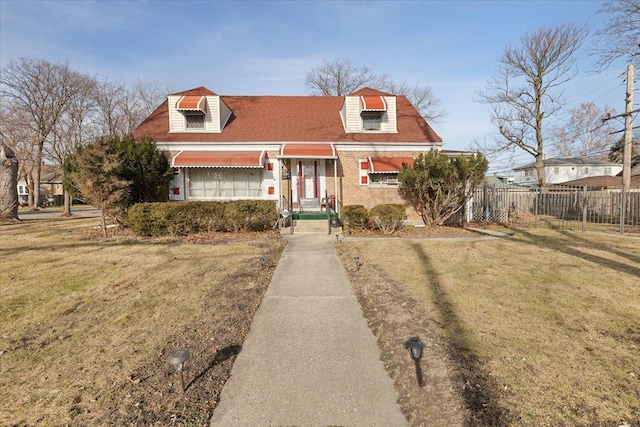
<point>358,263</point>
<point>262,263</point>
<point>177,359</point>
<point>415,346</point>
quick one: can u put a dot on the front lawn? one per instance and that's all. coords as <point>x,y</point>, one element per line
<point>86,324</point>
<point>542,329</point>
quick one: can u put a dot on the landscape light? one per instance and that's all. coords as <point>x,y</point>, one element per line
<point>177,359</point>
<point>337,238</point>
<point>262,263</point>
<point>415,346</point>
<point>357,260</point>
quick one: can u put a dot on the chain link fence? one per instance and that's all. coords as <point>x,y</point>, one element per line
<point>610,209</point>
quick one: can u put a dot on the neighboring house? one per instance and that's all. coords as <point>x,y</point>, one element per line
<point>51,191</point>
<point>498,180</point>
<point>602,181</point>
<point>635,168</point>
<point>560,170</point>
<point>293,150</point>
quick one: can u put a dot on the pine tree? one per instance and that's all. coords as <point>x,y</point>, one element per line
<point>438,185</point>
<point>94,172</point>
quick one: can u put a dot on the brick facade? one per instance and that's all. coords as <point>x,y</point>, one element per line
<point>351,192</point>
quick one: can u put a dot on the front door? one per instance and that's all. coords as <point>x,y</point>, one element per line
<point>308,184</point>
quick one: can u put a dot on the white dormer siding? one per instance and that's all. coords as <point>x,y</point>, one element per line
<point>217,114</point>
<point>352,119</point>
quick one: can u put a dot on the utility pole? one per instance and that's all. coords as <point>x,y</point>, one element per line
<point>628,124</point>
<point>628,128</point>
<point>626,155</point>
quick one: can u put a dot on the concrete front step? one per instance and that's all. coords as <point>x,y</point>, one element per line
<point>314,226</point>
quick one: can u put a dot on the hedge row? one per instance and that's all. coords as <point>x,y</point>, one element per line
<point>387,218</point>
<point>184,218</point>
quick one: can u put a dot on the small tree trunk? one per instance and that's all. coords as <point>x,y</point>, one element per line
<point>30,201</point>
<point>8,183</point>
<point>67,204</point>
<point>104,220</point>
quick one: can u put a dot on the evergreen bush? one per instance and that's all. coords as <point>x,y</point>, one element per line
<point>388,218</point>
<point>355,217</point>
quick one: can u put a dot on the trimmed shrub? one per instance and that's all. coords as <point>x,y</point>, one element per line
<point>388,218</point>
<point>355,217</point>
<point>249,215</point>
<point>184,218</point>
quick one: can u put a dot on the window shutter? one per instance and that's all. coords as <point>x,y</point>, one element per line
<point>363,171</point>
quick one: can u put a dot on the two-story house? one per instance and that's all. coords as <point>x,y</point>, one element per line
<point>561,170</point>
<point>294,150</point>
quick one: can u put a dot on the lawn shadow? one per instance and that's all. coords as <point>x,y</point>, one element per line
<point>560,246</point>
<point>220,356</point>
<point>630,257</point>
<point>480,391</point>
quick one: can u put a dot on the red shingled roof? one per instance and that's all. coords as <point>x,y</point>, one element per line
<point>601,181</point>
<point>289,119</point>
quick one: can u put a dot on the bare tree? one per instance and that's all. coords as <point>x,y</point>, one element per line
<point>107,96</point>
<point>340,77</point>
<point>120,108</point>
<point>620,36</point>
<point>422,98</point>
<point>585,134</point>
<point>42,90</point>
<point>8,182</point>
<point>75,128</point>
<point>21,140</point>
<point>148,95</point>
<point>521,93</point>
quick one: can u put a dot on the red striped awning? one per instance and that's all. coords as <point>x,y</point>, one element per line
<point>388,164</point>
<point>219,159</point>
<point>307,151</point>
<point>373,103</point>
<point>192,103</point>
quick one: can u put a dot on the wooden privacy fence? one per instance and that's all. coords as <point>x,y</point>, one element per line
<point>559,207</point>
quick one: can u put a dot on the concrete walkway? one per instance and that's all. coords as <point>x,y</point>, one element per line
<point>309,358</point>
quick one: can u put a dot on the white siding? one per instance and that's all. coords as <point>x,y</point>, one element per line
<point>176,119</point>
<point>390,124</point>
<point>212,118</point>
<point>351,109</point>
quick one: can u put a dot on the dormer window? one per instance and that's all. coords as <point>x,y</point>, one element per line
<point>194,119</point>
<point>372,110</point>
<point>194,109</point>
<point>371,120</point>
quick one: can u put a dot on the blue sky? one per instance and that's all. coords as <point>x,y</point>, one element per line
<point>265,48</point>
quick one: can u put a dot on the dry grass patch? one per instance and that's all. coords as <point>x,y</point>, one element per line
<point>542,329</point>
<point>86,324</point>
